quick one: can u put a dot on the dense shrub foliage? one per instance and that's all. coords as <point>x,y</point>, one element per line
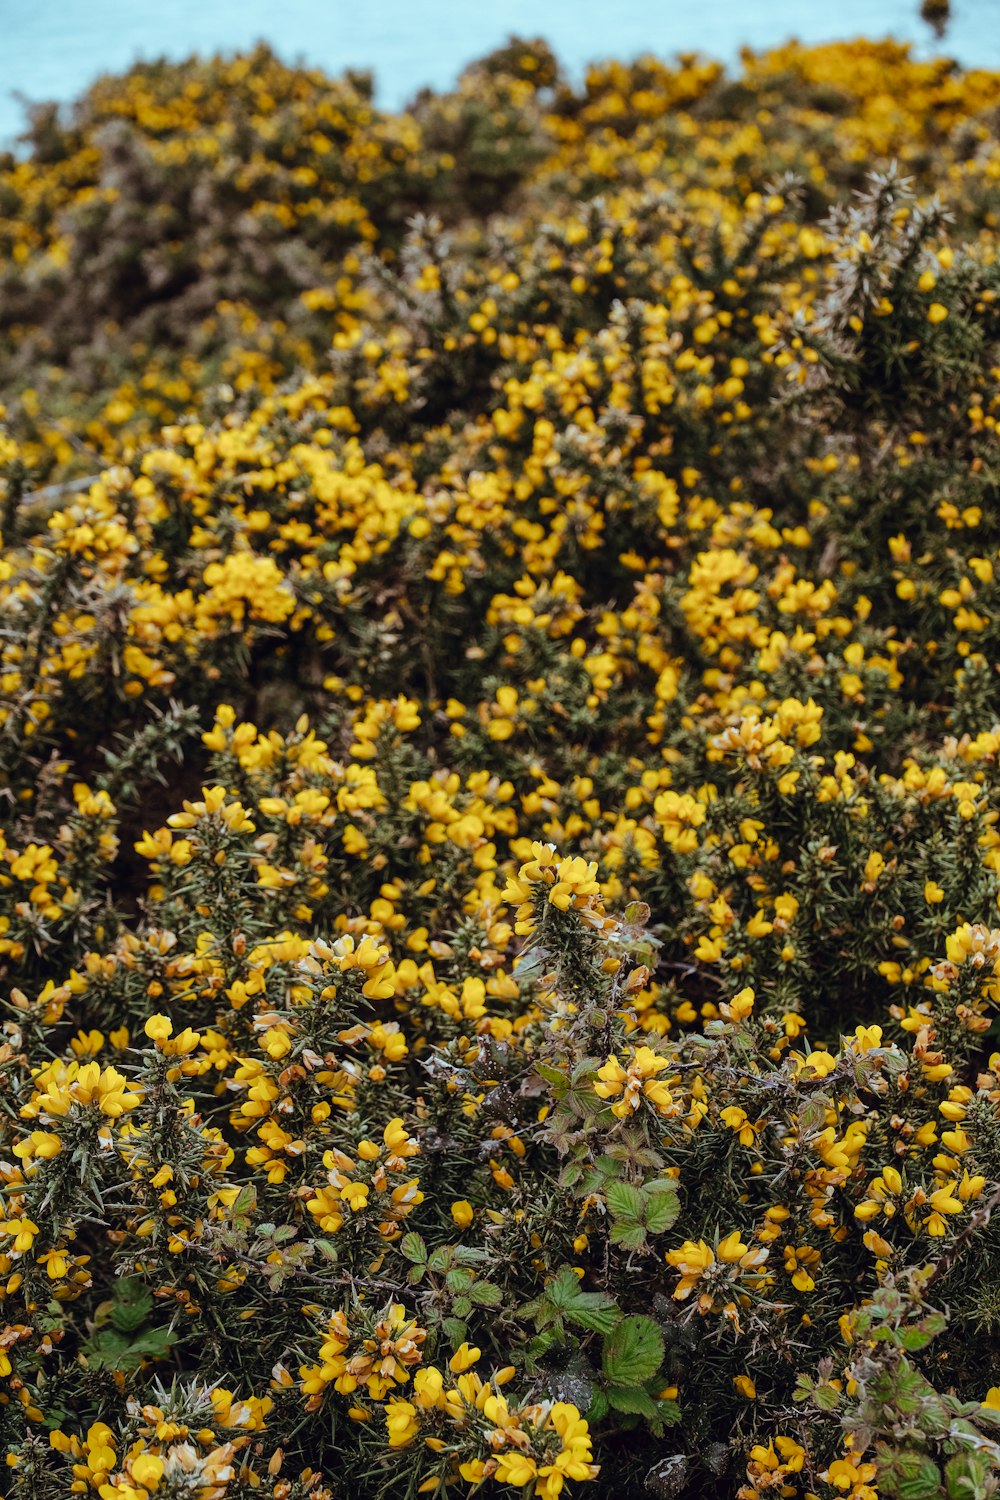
<point>499,724</point>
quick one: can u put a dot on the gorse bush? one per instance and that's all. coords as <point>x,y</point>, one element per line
<point>500,718</point>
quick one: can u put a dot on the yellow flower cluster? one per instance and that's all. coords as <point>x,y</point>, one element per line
<point>500,834</point>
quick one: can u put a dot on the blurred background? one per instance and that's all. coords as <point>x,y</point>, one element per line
<point>52,49</point>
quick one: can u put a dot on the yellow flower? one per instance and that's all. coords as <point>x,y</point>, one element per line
<point>732,1248</point>
<point>355,1195</point>
<point>517,1469</point>
<point>820,1064</point>
<point>147,1470</point>
<point>692,1259</point>
<point>847,1473</point>
<point>41,1143</point>
<point>401,1422</point>
<point>89,1086</point>
<point>735,1119</point>
<point>740,1006</point>
<point>635,1082</point>
<point>55,1262</point>
<point>865,1038</point>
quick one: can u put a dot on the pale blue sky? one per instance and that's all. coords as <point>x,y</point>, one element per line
<point>54,48</point>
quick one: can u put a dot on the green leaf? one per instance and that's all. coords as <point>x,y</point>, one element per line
<point>919,1478</point>
<point>632,1399</point>
<point>919,1335</point>
<point>564,1288</point>
<point>586,1102</point>
<point>595,1317</point>
<point>967,1476</point>
<point>585,1069</point>
<point>245,1200</point>
<point>540,1345</point>
<point>154,1342</point>
<point>626,1201</point>
<point>637,913</point>
<point>413,1247</point>
<point>564,1300</point>
<point>633,1352</point>
<point>486,1294</point>
<point>594,1300</point>
<point>812,1116</point>
<point>111,1350</point>
<point>603,1171</point>
<point>131,1305</point>
<point>455,1330</point>
<point>106,1344</point>
<point>467,1255</point>
<point>630,1236</point>
<point>914,1338</point>
<point>662,1205</point>
<point>598,1408</point>
<point>534,962</point>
